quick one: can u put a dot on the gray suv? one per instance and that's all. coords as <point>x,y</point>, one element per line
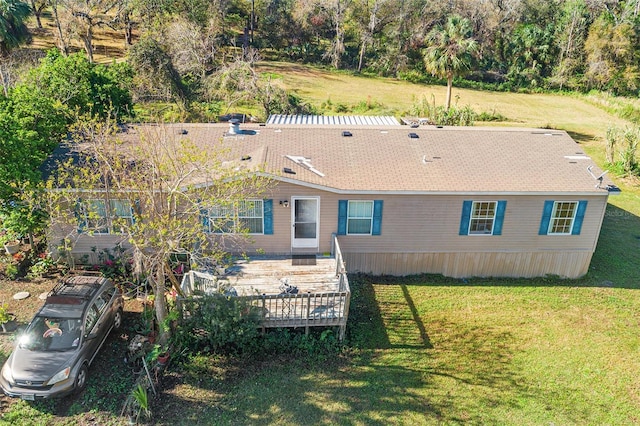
<point>53,354</point>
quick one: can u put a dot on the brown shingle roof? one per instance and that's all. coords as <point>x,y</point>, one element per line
<point>444,160</point>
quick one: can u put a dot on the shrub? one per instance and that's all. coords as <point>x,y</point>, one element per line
<point>439,115</point>
<point>43,265</point>
<point>219,324</point>
<point>11,271</point>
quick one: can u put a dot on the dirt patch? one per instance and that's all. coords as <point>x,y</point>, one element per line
<point>110,379</point>
<point>22,309</point>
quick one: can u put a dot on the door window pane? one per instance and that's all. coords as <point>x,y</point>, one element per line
<point>305,218</point>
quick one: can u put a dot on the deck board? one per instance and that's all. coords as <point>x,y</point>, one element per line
<point>264,276</point>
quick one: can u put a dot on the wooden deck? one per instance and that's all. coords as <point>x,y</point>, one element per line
<point>259,276</point>
<point>322,297</point>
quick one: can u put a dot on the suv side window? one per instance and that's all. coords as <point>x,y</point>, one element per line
<point>100,302</point>
<point>92,319</point>
<point>107,295</point>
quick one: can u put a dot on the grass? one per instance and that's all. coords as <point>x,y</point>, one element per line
<point>434,350</point>
<point>317,86</point>
<point>431,350</point>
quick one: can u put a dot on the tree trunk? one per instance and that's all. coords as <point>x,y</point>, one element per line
<point>88,43</point>
<point>449,87</point>
<point>36,12</point>
<point>128,30</point>
<point>363,47</point>
<point>160,303</point>
<point>5,81</point>
<point>63,44</point>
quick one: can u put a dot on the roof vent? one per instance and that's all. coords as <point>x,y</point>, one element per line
<point>288,170</point>
<point>245,158</point>
<point>614,190</point>
<point>346,134</point>
<point>234,127</point>
<point>413,135</point>
<point>184,131</point>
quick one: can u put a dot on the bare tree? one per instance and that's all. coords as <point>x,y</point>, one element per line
<point>63,34</point>
<point>15,64</point>
<point>571,37</point>
<point>192,47</point>
<point>373,9</point>
<point>38,6</point>
<point>82,17</point>
<point>166,179</point>
<point>333,12</point>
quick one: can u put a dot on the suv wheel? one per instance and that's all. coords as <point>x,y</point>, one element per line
<point>81,379</point>
<point>117,320</point>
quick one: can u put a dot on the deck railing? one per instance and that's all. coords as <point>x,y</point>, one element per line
<point>311,309</point>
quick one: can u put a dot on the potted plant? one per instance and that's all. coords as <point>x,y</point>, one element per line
<point>163,358</point>
<point>5,317</point>
<point>159,355</point>
<point>10,241</point>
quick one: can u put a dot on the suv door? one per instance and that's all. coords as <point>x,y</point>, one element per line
<point>92,336</point>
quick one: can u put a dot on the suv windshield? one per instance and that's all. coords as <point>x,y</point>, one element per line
<point>52,334</point>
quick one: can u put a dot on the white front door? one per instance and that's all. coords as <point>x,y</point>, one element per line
<point>304,217</point>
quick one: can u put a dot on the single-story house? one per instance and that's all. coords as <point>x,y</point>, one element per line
<point>457,201</point>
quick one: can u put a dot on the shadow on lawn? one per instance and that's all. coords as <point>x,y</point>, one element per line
<point>393,374</point>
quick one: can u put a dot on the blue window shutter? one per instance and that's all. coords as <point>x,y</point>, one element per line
<point>135,210</point>
<point>466,217</point>
<point>577,222</point>
<point>376,229</point>
<point>204,218</point>
<point>546,217</point>
<point>268,216</point>
<point>82,224</point>
<point>497,226</point>
<point>342,217</point>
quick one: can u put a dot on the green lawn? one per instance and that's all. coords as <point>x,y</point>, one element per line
<point>315,86</point>
<point>432,350</point>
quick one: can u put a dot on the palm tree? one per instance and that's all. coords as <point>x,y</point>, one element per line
<point>450,50</point>
<point>13,30</point>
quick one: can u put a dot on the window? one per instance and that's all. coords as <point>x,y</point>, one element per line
<point>92,318</point>
<point>562,217</point>
<point>101,217</point>
<point>95,216</point>
<point>356,217</point>
<point>246,216</point>
<point>359,217</point>
<point>482,217</point>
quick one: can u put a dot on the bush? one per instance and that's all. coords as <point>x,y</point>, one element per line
<point>439,115</point>
<point>218,324</point>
